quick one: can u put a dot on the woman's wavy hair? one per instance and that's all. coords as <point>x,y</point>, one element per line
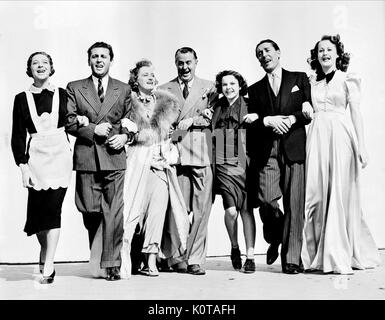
<point>29,63</point>
<point>133,81</point>
<point>241,81</point>
<point>342,61</point>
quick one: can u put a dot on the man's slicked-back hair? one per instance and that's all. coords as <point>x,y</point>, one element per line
<point>273,43</point>
<point>186,50</point>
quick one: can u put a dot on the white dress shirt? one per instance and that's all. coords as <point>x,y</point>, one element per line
<point>182,84</point>
<point>278,76</point>
<point>104,83</point>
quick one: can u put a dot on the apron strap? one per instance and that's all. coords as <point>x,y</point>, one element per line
<point>54,115</point>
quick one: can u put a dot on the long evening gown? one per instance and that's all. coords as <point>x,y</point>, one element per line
<point>336,237</point>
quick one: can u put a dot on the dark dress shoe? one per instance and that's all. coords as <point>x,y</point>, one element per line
<point>195,269</point>
<point>272,253</point>
<point>249,266</point>
<point>291,268</point>
<point>49,279</point>
<point>179,267</point>
<point>113,274</point>
<point>179,270</point>
<point>236,258</point>
<point>163,266</point>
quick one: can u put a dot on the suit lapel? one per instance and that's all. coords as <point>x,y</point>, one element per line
<point>89,93</point>
<point>264,95</point>
<point>197,91</point>
<point>174,87</point>
<point>112,95</point>
<point>287,83</point>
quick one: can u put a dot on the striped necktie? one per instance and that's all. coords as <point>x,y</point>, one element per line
<point>100,90</point>
<point>185,90</point>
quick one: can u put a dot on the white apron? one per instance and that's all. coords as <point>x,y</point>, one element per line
<point>50,155</point>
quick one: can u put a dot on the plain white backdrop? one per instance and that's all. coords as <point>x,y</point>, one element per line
<point>224,35</point>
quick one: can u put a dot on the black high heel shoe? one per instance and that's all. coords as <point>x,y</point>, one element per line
<point>49,279</point>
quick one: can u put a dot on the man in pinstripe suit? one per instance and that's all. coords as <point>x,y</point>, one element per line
<point>278,154</point>
<point>99,155</point>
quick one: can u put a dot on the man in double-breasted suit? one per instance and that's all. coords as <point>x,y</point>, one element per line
<point>99,154</point>
<point>278,154</point>
<point>194,172</point>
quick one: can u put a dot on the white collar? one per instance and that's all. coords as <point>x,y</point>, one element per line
<point>47,86</point>
<point>189,84</point>
<point>104,81</point>
<point>277,72</point>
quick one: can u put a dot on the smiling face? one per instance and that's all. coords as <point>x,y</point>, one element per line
<point>268,56</point>
<point>186,64</point>
<point>100,62</point>
<point>146,79</point>
<point>230,87</point>
<point>327,54</point>
<point>40,67</point>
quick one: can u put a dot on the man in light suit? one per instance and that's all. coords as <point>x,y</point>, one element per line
<point>194,172</point>
<point>99,155</point>
<point>278,154</point>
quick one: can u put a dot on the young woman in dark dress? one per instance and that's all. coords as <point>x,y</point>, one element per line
<point>229,123</point>
<point>45,160</point>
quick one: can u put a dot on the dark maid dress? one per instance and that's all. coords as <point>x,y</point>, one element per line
<point>48,153</point>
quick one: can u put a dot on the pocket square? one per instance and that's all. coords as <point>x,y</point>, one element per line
<point>294,89</point>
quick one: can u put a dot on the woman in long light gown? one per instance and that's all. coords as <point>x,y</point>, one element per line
<point>336,237</point>
<point>154,205</point>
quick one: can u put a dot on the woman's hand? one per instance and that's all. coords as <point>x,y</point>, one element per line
<point>172,155</point>
<point>158,162</point>
<point>26,175</point>
<point>207,113</point>
<point>250,117</point>
<point>307,110</point>
<point>129,125</point>
<point>83,121</point>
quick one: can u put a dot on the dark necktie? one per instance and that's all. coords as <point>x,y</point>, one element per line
<point>328,77</point>
<point>100,90</point>
<point>185,90</point>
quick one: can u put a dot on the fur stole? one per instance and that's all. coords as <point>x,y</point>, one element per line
<point>156,128</point>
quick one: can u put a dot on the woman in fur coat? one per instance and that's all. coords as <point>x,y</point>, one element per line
<point>154,208</point>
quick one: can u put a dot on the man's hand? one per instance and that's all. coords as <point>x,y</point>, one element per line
<point>83,121</point>
<point>307,110</point>
<point>26,175</point>
<point>185,124</point>
<point>103,129</point>
<point>117,141</point>
<point>279,124</point>
<point>250,117</point>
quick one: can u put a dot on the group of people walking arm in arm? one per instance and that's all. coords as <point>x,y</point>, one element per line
<point>150,159</point>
